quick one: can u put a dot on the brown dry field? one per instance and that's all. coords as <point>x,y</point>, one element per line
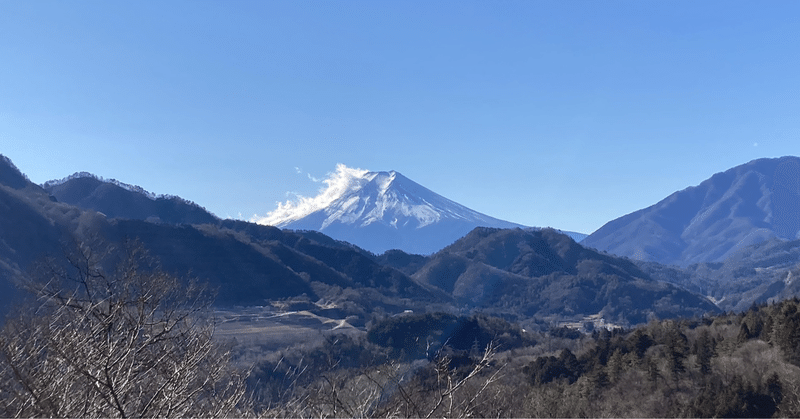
<point>277,330</point>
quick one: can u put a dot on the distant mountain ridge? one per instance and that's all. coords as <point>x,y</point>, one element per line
<point>120,200</point>
<point>516,273</point>
<point>380,211</point>
<point>739,207</point>
<point>51,184</point>
<point>244,263</point>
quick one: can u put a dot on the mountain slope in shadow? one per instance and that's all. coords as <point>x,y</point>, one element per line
<point>546,274</point>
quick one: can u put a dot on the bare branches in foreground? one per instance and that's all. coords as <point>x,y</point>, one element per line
<point>130,342</point>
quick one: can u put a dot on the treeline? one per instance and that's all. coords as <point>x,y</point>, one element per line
<point>131,340</point>
<point>691,368</point>
<point>731,365</point>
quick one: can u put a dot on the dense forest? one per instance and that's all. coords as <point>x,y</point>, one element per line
<point>425,365</point>
<point>135,341</point>
<point>109,333</point>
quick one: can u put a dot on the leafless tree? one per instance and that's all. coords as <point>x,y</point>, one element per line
<point>131,341</point>
<point>451,400</point>
<point>392,390</point>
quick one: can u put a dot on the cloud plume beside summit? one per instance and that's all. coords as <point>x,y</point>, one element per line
<point>339,182</point>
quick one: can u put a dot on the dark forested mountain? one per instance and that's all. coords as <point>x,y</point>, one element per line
<point>519,273</point>
<point>402,261</point>
<point>10,176</point>
<point>548,275</point>
<point>759,273</point>
<point>246,263</point>
<point>31,225</point>
<point>708,222</point>
<point>250,264</point>
<point>119,200</point>
<point>428,327</point>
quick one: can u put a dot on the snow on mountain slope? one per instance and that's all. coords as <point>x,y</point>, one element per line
<point>360,198</point>
<point>380,211</point>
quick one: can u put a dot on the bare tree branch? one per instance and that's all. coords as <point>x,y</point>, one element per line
<point>135,342</point>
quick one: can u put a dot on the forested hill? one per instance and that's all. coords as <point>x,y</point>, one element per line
<point>119,200</point>
<point>547,275</point>
<point>728,365</point>
<point>246,264</point>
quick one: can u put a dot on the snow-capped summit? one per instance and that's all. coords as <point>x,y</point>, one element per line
<point>379,211</point>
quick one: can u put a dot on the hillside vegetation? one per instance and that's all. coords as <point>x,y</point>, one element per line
<point>729,365</point>
<point>502,322</point>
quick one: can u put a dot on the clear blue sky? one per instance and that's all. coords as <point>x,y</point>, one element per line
<point>545,113</point>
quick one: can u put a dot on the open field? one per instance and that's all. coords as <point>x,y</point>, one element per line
<point>269,329</point>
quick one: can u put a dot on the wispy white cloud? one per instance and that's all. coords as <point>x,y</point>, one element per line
<point>299,171</point>
<point>337,184</point>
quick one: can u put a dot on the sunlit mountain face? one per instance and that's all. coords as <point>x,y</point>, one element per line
<point>380,211</point>
<point>742,206</point>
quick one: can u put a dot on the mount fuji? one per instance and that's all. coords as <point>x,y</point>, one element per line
<point>379,211</point>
